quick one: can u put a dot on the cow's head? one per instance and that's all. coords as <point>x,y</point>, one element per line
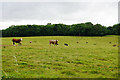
<point>21,39</point>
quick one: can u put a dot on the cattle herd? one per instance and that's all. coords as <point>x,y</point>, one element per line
<point>19,41</point>
<point>54,42</point>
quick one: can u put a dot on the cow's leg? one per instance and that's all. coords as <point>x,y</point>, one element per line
<point>20,43</point>
<point>13,43</point>
<point>55,43</point>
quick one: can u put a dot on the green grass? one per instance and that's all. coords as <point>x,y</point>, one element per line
<point>96,59</point>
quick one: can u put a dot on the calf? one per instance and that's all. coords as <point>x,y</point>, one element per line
<point>86,42</point>
<point>55,42</point>
<point>65,44</point>
<point>17,41</point>
<point>114,45</point>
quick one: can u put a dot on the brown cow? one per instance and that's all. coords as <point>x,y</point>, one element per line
<point>30,41</point>
<point>55,42</point>
<point>114,45</point>
<point>17,41</point>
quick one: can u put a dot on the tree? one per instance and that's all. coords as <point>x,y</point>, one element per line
<point>83,29</point>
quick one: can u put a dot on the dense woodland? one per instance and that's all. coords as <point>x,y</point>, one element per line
<point>82,29</point>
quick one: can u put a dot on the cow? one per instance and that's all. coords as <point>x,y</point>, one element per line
<point>30,41</point>
<point>114,45</point>
<point>65,44</point>
<point>17,41</point>
<point>77,42</point>
<point>55,42</point>
<point>86,42</point>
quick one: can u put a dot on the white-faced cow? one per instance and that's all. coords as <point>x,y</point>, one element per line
<point>17,41</point>
<point>55,42</point>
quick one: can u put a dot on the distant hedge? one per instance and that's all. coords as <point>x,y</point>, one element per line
<point>83,29</point>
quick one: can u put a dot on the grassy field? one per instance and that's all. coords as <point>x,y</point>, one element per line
<point>95,59</point>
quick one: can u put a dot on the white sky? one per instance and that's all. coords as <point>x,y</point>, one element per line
<point>22,12</point>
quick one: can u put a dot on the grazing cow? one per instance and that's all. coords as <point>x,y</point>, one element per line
<point>65,44</point>
<point>17,41</point>
<point>86,42</point>
<point>30,41</point>
<point>114,45</point>
<point>4,47</point>
<point>55,42</point>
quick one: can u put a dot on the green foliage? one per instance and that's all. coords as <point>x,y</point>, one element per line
<point>83,29</point>
<point>115,30</point>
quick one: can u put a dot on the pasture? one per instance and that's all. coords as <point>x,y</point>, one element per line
<point>84,57</point>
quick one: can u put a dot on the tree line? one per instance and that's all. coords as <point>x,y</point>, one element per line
<point>82,29</point>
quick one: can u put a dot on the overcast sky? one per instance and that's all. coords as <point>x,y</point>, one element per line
<point>39,12</point>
